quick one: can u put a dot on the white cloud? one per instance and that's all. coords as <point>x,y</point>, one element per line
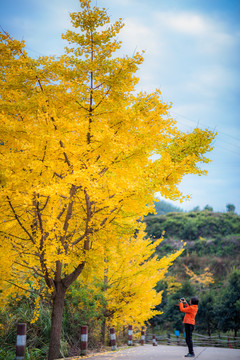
<point>209,35</point>
<point>185,22</point>
<point>135,34</point>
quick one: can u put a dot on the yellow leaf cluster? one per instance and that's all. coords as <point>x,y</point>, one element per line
<point>129,272</point>
<point>202,280</point>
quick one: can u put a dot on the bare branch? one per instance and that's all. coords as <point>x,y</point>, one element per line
<point>81,105</point>
<point>60,176</point>
<point>39,216</point>
<point>62,212</point>
<point>81,238</point>
<point>65,155</point>
<point>18,220</point>
<point>13,236</point>
<point>44,206</point>
<point>88,218</point>
<point>32,292</point>
<point>30,268</point>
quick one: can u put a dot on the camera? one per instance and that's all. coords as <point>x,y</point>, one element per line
<point>182,299</point>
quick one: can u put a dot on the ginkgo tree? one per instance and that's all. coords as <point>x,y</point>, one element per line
<point>77,170</point>
<point>200,280</point>
<point>126,277</point>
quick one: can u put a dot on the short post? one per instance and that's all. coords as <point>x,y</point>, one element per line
<point>130,333</point>
<point>21,341</point>
<point>177,333</point>
<point>169,339</point>
<point>113,339</point>
<point>154,341</point>
<point>84,340</point>
<point>142,336</point>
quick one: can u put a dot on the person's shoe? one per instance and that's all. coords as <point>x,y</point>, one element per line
<point>190,355</point>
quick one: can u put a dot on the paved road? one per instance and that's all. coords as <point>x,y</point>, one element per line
<point>164,352</point>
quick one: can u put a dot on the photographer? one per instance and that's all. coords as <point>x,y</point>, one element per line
<point>189,321</point>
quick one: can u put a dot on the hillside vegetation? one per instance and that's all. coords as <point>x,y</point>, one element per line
<point>207,268</point>
<point>193,225</point>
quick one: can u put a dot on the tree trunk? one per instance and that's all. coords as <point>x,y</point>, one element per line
<point>103,331</point>
<point>56,325</point>
<point>209,329</point>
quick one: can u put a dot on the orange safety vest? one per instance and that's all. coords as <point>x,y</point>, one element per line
<point>190,313</point>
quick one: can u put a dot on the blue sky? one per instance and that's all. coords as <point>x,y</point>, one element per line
<point>192,52</point>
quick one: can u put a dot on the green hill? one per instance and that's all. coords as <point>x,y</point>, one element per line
<point>193,225</point>
<point>212,248</point>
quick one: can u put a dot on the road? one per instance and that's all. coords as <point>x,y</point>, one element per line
<point>165,352</point>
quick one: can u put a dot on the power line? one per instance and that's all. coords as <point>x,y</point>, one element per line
<point>236,146</point>
<point>194,122</point>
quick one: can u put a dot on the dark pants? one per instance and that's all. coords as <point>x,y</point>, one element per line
<point>189,330</point>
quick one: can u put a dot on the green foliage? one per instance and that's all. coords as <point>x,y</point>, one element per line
<point>220,246</point>
<point>83,306</point>
<point>230,207</point>
<point>193,225</point>
<point>7,353</point>
<point>207,313</point>
<point>228,312</point>
<point>37,333</point>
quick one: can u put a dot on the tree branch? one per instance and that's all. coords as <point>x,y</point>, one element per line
<point>62,212</point>
<point>18,220</point>
<point>69,279</point>
<point>30,268</point>
<point>31,291</point>
<point>44,206</point>
<point>88,218</point>
<point>13,236</point>
<point>65,155</point>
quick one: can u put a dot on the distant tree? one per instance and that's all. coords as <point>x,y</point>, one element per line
<point>206,316</point>
<point>228,314</point>
<point>196,209</point>
<point>163,207</point>
<point>230,208</point>
<point>208,207</point>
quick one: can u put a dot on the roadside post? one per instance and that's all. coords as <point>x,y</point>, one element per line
<point>84,339</point>
<point>130,333</point>
<point>113,339</point>
<point>154,341</point>
<point>142,336</point>
<point>21,341</point>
